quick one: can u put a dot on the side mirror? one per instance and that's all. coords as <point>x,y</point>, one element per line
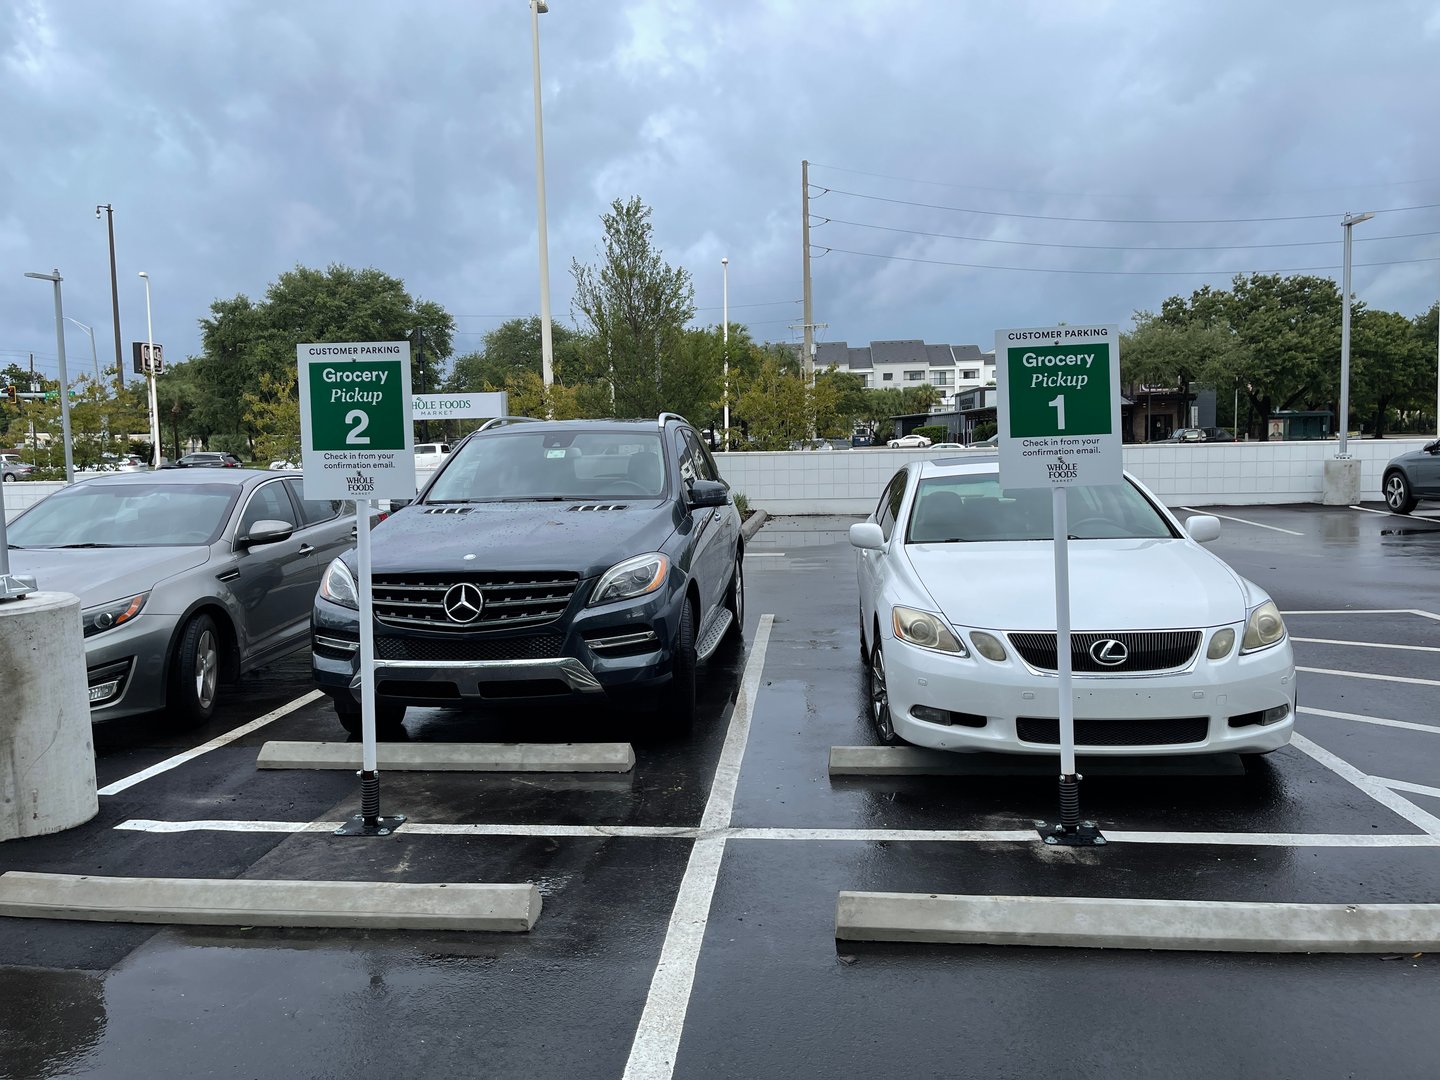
<point>1432,447</point>
<point>267,532</point>
<point>1203,528</point>
<point>706,493</point>
<point>867,535</point>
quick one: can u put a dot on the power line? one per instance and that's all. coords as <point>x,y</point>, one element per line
<point>1122,195</point>
<point>1121,247</point>
<point>1116,221</point>
<point>1122,273</point>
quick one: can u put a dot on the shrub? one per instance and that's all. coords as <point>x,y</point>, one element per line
<point>983,430</point>
<point>934,432</point>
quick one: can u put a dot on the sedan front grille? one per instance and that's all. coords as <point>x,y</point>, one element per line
<point>1143,650</point>
<point>417,601</point>
<point>1161,732</point>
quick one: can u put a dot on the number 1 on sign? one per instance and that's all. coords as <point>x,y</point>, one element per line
<point>1059,406</point>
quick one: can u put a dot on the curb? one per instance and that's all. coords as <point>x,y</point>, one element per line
<point>754,524</point>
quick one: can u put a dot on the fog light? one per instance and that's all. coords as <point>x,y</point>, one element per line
<point>929,715</point>
<point>104,691</point>
<point>987,645</point>
<point>1221,644</point>
<point>1275,715</point>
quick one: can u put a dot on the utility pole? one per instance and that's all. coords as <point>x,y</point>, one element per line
<point>807,361</point>
<point>34,389</point>
<point>114,296</point>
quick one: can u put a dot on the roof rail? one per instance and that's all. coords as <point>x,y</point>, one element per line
<point>666,416</point>
<point>508,420</point>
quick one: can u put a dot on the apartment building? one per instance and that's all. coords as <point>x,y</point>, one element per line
<point>911,362</point>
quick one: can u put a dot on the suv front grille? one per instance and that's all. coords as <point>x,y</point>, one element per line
<point>509,599</point>
<point>1165,732</point>
<point>1146,650</point>
<point>445,650</point>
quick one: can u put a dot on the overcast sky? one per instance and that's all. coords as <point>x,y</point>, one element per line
<point>238,139</point>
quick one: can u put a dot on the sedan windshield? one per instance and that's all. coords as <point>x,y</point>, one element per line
<point>520,465</point>
<point>974,508</point>
<point>126,515</point>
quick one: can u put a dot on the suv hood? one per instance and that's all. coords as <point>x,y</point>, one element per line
<point>99,575</point>
<point>519,536</point>
<point>1114,585</point>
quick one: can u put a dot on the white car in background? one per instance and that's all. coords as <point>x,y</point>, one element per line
<point>1172,651</point>
<point>909,442</point>
<point>430,456</point>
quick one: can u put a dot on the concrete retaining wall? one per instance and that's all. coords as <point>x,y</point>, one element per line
<point>21,494</point>
<point>1211,474</point>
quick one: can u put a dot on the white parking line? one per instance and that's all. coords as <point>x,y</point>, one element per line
<point>920,836</point>
<point>1406,679</point>
<point>1358,611</point>
<point>657,1038</point>
<point>1405,785</point>
<point>1366,644</point>
<point>764,554</point>
<point>1390,513</point>
<point>214,744</point>
<point>1366,509</point>
<point>1363,719</point>
<point>1369,785</point>
<point>1243,521</point>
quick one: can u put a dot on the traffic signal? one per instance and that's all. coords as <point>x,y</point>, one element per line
<point>10,394</point>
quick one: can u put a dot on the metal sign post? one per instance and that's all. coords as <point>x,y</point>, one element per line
<point>357,442</point>
<point>1059,427</point>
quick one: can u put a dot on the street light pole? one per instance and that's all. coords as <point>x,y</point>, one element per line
<point>114,296</point>
<point>150,376</point>
<point>547,347</point>
<point>90,333</point>
<point>725,339</point>
<point>1348,221</point>
<point>55,279</point>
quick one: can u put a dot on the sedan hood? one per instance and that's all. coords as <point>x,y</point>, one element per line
<point>1114,585</point>
<point>519,536</point>
<point>99,575</point>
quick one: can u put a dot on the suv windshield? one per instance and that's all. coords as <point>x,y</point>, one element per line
<point>974,507</point>
<point>520,465</point>
<point>126,515</point>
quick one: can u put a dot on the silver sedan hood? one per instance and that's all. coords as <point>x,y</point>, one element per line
<point>99,575</point>
<point>1114,584</point>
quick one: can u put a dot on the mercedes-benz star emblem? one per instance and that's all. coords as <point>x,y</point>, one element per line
<point>1106,651</point>
<point>463,603</point>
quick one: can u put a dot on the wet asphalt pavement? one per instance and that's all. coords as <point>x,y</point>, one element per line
<point>773,993</point>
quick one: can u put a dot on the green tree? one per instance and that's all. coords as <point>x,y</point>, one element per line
<point>512,347</point>
<point>272,411</point>
<point>636,307</point>
<point>775,406</point>
<point>1389,366</point>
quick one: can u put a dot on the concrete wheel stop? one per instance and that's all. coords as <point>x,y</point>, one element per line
<point>1109,923</point>
<point>453,757</point>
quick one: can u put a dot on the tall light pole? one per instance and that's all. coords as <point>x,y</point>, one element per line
<point>547,347</point>
<point>725,339</point>
<point>114,296</point>
<point>55,279</point>
<point>150,377</point>
<point>1349,221</point>
<point>90,333</point>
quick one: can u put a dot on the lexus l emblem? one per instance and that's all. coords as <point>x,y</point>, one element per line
<point>463,603</point>
<point>1109,652</point>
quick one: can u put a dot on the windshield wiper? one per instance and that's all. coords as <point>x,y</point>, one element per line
<point>91,545</point>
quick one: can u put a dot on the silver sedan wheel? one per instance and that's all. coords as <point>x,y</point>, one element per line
<point>207,669</point>
<point>880,698</point>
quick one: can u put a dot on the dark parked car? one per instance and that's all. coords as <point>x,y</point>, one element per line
<point>1412,477</point>
<point>185,578</point>
<point>553,560</point>
<point>208,460</point>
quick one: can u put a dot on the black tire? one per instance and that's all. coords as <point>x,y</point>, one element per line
<point>389,717</point>
<point>677,700</point>
<point>864,648</point>
<point>879,698</point>
<point>1398,495</point>
<point>194,673</point>
<point>735,602</point>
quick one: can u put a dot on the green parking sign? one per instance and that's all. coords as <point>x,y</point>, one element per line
<point>356,437</point>
<point>1059,405</point>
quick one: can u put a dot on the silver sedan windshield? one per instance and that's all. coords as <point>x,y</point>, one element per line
<point>975,508</point>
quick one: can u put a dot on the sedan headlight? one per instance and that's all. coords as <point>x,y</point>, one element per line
<point>633,577</point>
<point>338,585</point>
<point>925,630</point>
<point>104,617</point>
<point>1264,629</point>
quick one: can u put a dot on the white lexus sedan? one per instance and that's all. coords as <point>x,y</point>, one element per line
<point>1172,651</point>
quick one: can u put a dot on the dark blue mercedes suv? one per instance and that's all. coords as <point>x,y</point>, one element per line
<point>545,559</point>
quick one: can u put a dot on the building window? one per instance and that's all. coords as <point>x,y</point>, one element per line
<point>914,376</point>
<point>940,378</point>
<point>970,373</point>
<point>888,376</point>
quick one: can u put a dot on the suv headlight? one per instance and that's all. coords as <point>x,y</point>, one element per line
<point>633,577</point>
<point>925,630</point>
<point>104,617</point>
<point>338,585</point>
<point>1265,628</point>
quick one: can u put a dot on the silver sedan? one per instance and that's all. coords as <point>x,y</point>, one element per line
<point>186,579</point>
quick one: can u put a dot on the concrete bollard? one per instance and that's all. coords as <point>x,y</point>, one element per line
<point>47,759</point>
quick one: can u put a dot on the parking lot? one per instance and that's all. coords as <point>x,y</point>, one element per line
<point>689,918</point>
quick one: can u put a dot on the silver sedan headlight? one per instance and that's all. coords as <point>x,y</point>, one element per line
<point>104,617</point>
<point>925,630</point>
<point>338,585</point>
<point>1264,629</point>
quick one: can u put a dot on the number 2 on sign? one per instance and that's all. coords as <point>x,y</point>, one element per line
<point>361,420</point>
<point>1058,405</point>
